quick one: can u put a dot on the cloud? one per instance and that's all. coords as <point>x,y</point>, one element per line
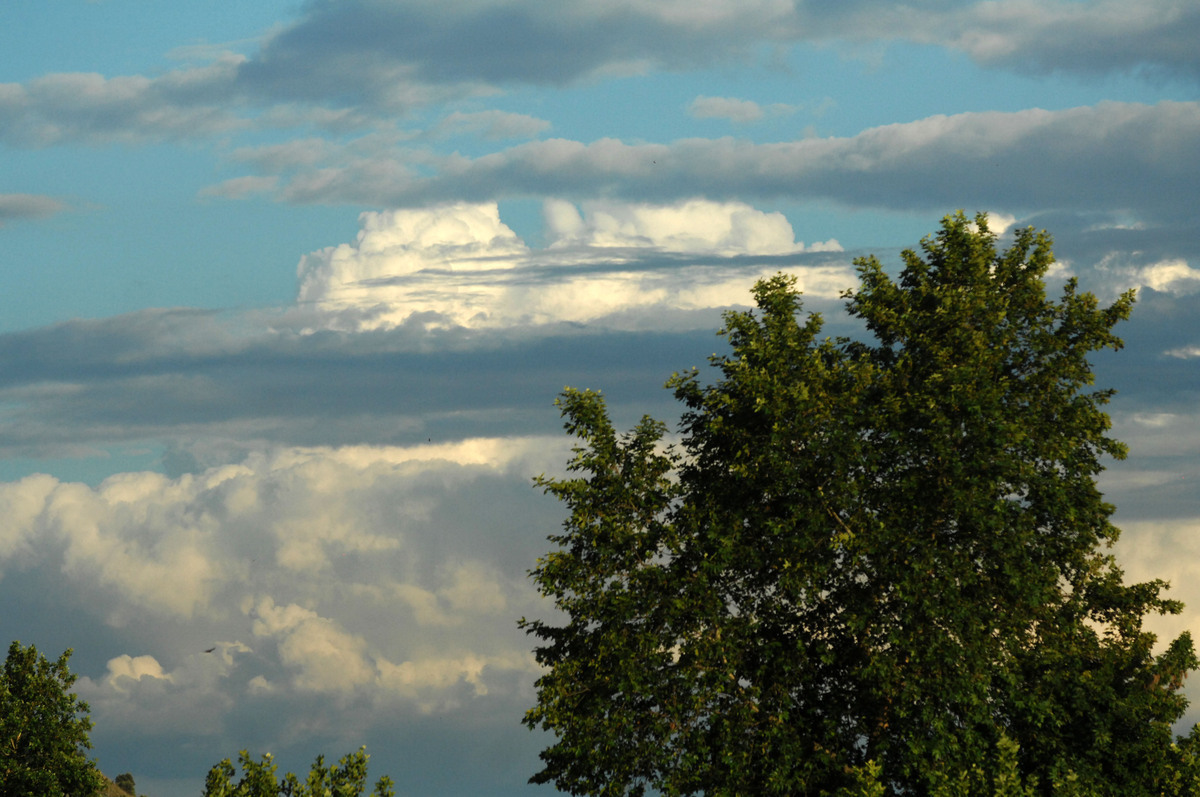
<point>725,108</point>
<point>620,294</point>
<point>138,694</point>
<point>373,53</point>
<point>1158,549</point>
<point>320,652</point>
<point>358,49</point>
<point>241,187</point>
<point>14,207</point>
<point>301,565</point>
<point>1091,38</point>
<point>692,226</point>
<point>324,657</point>
<point>404,242</point>
<point>1166,276</point>
<point>179,377</point>
<point>491,125</point>
<point>735,110</point>
<point>357,64</point>
<point>1115,157</point>
<point>173,546</point>
<point>87,107</point>
<point>461,264</point>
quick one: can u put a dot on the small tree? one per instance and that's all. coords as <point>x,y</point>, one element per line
<point>347,779</point>
<point>124,782</point>
<point>873,561</point>
<point>43,729</point>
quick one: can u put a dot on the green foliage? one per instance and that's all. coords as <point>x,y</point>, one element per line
<point>1182,778</point>
<point>43,729</point>
<point>347,779</point>
<point>124,781</point>
<point>871,567</point>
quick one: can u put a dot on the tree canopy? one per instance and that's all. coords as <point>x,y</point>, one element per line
<point>43,729</point>
<point>871,566</point>
<point>259,779</point>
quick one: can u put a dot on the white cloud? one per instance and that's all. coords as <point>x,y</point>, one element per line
<point>1185,352</point>
<point>460,263</point>
<point>125,669</point>
<point>185,547</point>
<point>1116,273</point>
<point>321,654</point>
<point>1170,550</point>
<point>346,574</point>
<point>691,226</point>
<point>145,698</point>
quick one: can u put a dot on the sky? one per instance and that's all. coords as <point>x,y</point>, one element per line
<point>289,289</point>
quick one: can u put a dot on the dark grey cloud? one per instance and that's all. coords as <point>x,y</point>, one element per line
<point>354,51</point>
<point>1112,157</point>
<point>1155,38</point>
<point>352,64</point>
<point>95,382</point>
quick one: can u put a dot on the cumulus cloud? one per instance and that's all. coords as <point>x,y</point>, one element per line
<point>460,263</point>
<point>400,243</point>
<point>138,693</point>
<point>1166,549</point>
<point>323,656</point>
<point>693,226</point>
<point>1166,276</point>
<point>352,572</point>
<point>27,206</point>
<point>173,546</point>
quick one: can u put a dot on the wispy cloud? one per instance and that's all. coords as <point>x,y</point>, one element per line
<point>735,110</point>
<point>14,207</point>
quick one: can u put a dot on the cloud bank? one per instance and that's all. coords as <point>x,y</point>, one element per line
<point>358,63</point>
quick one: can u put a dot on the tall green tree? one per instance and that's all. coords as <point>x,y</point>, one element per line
<point>871,566</point>
<point>259,779</point>
<point>43,729</point>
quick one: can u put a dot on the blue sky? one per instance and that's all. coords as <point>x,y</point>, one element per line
<point>290,289</point>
